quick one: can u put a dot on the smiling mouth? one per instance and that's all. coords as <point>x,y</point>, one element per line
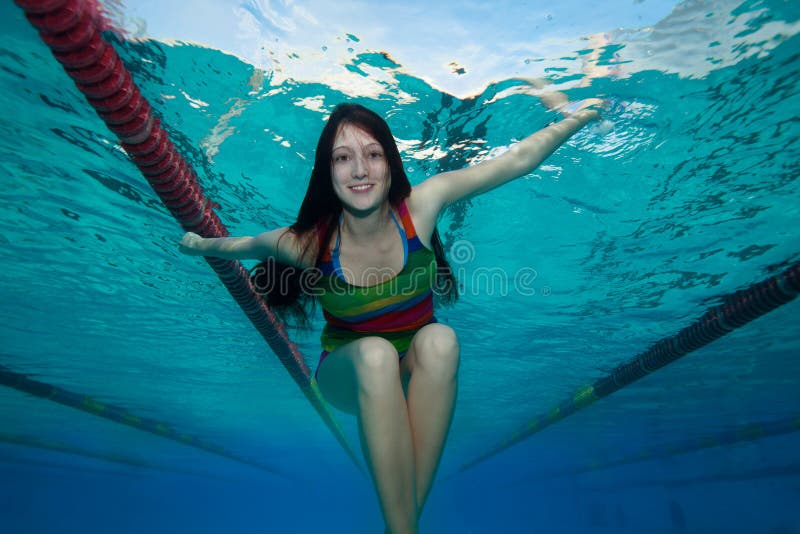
<point>361,188</point>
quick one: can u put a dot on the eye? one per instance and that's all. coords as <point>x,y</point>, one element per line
<point>340,157</point>
<point>376,154</point>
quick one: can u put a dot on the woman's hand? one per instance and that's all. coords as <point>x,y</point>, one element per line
<point>584,115</point>
<point>568,109</point>
<point>190,244</point>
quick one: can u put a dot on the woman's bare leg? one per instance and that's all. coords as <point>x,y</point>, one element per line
<point>432,362</point>
<point>363,377</point>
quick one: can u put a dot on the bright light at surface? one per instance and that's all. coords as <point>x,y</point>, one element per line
<point>458,47</point>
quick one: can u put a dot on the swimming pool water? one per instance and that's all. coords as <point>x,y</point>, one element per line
<point>627,234</point>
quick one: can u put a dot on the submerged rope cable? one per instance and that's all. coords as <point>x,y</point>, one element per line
<point>71,28</point>
<point>737,310</point>
<point>740,434</point>
<point>65,448</point>
<point>117,414</point>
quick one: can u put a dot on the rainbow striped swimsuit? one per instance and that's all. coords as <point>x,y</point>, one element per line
<point>394,310</point>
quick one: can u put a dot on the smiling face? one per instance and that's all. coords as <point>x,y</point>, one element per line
<point>359,169</point>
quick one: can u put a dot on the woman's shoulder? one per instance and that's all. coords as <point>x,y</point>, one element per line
<point>296,248</point>
<point>423,213</point>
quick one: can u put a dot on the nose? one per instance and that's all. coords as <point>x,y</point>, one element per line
<point>359,167</point>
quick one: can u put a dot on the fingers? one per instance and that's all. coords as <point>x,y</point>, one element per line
<point>188,244</point>
<point>585,115</point>
<point>573,108</point>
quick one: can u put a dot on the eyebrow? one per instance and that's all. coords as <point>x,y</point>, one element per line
<point>369,145</point>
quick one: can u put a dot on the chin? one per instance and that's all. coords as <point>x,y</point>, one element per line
<point>365,205</point>
<point>362,208</point>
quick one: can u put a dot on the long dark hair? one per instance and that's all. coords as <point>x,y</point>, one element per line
<point>318,215</point>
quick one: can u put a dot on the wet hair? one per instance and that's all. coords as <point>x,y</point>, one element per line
<point>282,285</point>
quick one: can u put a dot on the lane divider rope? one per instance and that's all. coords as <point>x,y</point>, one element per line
<point>71,28</point>
<point>736,311</point>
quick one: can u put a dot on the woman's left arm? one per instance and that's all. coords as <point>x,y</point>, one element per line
<point>443,189</point>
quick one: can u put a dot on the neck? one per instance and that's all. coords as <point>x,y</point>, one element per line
<point>365,226</point>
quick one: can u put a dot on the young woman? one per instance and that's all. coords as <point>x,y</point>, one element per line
<point>371,240</point>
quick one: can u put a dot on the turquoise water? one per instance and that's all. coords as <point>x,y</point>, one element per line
<point>631,231</point>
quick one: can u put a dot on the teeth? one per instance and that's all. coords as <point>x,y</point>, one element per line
<point>361,187</point>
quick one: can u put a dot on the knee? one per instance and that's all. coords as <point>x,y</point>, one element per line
<point>376,360</point>
<point>437,351</point>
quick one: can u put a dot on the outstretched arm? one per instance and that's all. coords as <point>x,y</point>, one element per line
<point>280,244</point>
<point>443,189</point>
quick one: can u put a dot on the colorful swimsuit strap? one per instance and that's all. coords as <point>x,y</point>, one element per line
<point>337,266</point>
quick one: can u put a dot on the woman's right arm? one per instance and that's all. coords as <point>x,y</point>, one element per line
<point>280,244</point>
